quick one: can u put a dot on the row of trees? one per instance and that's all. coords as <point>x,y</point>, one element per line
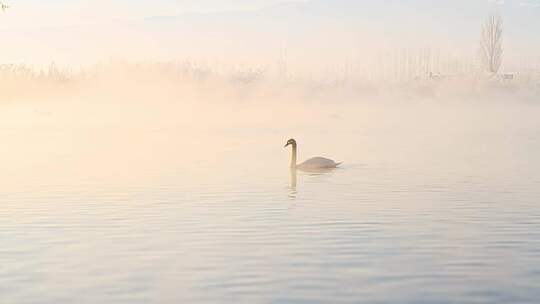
<point>490,53</point>
<point>408,63</point>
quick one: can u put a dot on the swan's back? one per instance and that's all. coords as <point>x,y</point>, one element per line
<point>318,163</point>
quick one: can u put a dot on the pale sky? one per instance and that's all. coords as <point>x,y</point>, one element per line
<point>39,13</point>
<point>43,13</point>
<point>86,31</point>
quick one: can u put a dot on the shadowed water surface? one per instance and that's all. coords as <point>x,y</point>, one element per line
<point>437,208</point>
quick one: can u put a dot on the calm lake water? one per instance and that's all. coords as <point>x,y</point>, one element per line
<point>434,204</point>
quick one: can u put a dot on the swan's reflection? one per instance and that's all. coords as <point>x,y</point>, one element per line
<point>310,172</point>
<point>292,184</point>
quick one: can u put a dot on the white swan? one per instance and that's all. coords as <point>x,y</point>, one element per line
<point>315,163</point>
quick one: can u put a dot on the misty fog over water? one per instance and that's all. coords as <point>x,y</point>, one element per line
<point>164,193</point>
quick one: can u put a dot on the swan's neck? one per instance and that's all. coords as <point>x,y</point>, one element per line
<point>293,157</point>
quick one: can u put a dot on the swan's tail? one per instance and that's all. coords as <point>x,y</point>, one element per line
<point>339,164</point>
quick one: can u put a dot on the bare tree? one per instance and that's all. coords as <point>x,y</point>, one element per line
<point>491,43</point>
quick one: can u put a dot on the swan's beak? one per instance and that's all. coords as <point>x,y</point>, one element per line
<point>286,145</point>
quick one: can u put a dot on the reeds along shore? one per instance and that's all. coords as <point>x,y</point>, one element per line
<point>19,81</point>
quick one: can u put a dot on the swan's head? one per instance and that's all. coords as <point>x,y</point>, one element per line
<point>291,142</point>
